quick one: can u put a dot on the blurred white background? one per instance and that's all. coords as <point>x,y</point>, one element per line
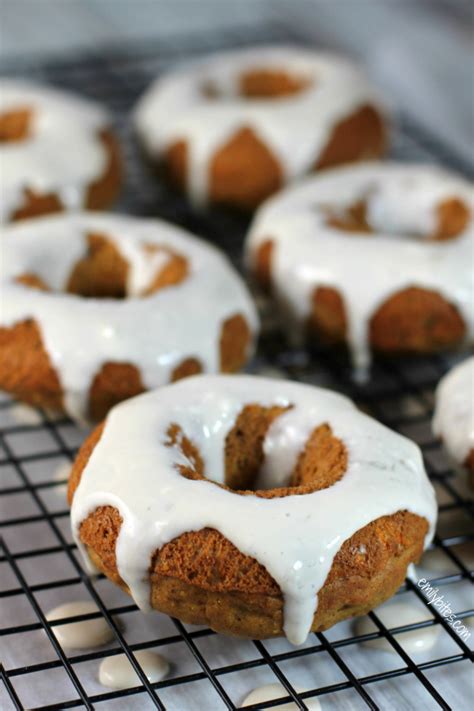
<point>420,51</point>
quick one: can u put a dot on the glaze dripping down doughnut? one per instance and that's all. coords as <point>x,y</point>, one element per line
<point>120,305</point>
<point>378,256</point>
<point>57,152</point>
<point>255,506</point>
<point>236,126</point>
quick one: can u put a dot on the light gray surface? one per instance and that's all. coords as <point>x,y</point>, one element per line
<point>420,52</point>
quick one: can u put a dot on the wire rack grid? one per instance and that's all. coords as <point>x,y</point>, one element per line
<point>38,561</point>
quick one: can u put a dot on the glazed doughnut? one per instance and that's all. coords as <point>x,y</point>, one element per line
<point>271,507</point>
<point>453,418</point>
<point>235,127</point>
<point>378,256</point>
<point>121,304</point>
<point>57,152</point>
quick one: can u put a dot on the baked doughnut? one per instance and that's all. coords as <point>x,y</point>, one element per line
<point>378,256</point>
<point>57,152</point>
<point>271,507</point>
<point>236,126</point>
<point>453,419</point>
<point>121,304</point>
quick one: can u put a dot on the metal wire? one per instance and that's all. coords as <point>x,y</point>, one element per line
<point>117,76</point>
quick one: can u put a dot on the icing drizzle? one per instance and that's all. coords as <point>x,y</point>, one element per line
<point>365,269</point>
<point>155,333</point>
<point>297,537</point>
<point>454,412</point>
<point>62,154</point>
<point>175,108</point>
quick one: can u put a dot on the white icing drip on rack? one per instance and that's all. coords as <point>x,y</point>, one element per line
<point>295,537</point>
<point>454,412</point>
<point>116,672</point>
<point>365,269</point>
<point>296,128</point>
<point>270,692</point>
<point>82,634</point>
<point>155,333</point>
<point>62,154</point>
<point>400,614</point>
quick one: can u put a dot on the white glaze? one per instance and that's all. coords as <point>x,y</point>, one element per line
<point>269,692</point>
<point>63,153</point>
<point>155,333</point>
<point>453,419</point>
<point>399,614</point>
<point>365,269</point>
<point>295,538</point>
<point>25,415</point>
<point>80,635</point>
<point>117,672</point>
<point>296,128</point>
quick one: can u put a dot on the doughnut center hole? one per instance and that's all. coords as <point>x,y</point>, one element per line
<point>103,273</point>
<point>451,217</point>
<point>15,125</point>
<point>320,464</point>
<point>258,83</point>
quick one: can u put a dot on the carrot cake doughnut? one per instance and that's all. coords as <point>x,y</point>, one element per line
<point>129,304</point>
<point>453,418</point>
<point>236,126</point>
<point>271,507</point>
<point>378,256</point>
<point>57,152</point>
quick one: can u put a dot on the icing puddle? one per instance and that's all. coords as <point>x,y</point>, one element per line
<point>398,615</point>
<point>117,672</point>
<point>270,692</point>
<point>83,634</point>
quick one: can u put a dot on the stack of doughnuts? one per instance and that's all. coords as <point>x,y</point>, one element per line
<point>258,507</point>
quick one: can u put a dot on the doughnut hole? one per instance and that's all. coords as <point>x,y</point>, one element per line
<point>99,195</point>
<point>15,125</point>
<point>352,219</point>
<point>260,83</point>
<point>103,271</point>
<point>271,84</point>
<point>452,217</point>
<point>202,578</point>
<point>360,136</point>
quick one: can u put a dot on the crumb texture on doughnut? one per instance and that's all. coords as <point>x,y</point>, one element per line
<point>378,256</point>
<point>235,127</point>
<point>262,528</point>
<point>131,304</point>
<point>453,419</point>
<point>56,150</point>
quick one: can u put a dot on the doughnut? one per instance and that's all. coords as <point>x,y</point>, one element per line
<point>378,256</point>
<point>236,126</point>
<point>128,304</point>
<point>254,506</point>
<point>453,419</point>
<point>57,152</point>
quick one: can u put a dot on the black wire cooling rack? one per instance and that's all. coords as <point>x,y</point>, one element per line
<point>218,672</point>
